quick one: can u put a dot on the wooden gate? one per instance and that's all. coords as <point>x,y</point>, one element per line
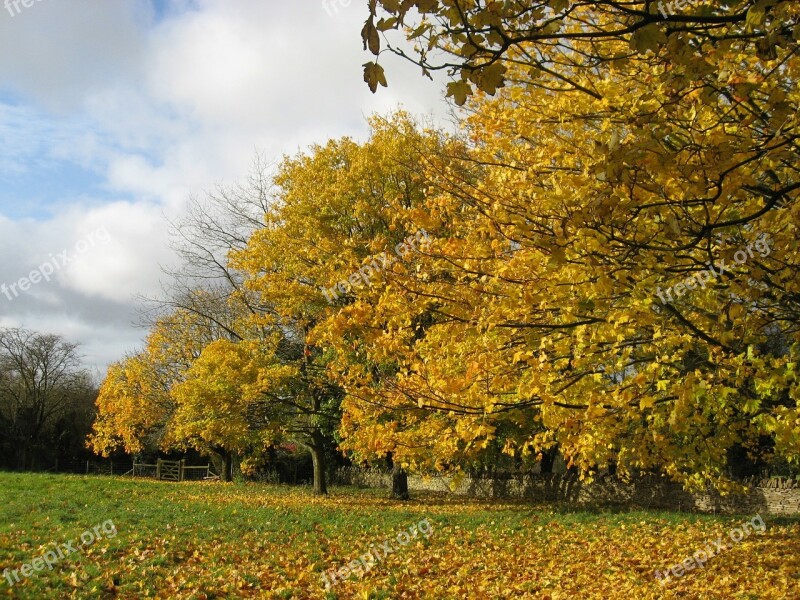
<point>169,470</point>
<point>173,470</point>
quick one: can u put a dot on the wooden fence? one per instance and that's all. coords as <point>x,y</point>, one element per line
<point>172,470</point>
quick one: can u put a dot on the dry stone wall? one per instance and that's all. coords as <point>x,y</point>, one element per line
<point>775,496</point>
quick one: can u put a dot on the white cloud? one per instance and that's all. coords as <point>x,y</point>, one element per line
<point>123,245</point>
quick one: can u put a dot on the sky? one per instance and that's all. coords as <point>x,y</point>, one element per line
<point>114,113</point>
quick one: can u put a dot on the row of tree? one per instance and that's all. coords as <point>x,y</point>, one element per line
<point>609,152</point>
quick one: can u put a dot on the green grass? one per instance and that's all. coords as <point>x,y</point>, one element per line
<point>214,540</point>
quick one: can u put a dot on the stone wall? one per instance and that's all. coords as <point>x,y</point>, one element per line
<point>775,496</point>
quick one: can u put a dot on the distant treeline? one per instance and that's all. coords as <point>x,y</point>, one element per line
<point>46,402</point>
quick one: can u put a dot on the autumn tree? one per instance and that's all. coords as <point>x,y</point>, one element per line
<point>576,287</point>
<point>342,211</point>
<point>135,404</point>
<point>218,373</point>
<point>133,407</point>
<point>215,402</point>
<point>215,229</point>
<point>202,302</point>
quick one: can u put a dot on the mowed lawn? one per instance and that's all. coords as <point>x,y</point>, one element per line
<point>215,540</point>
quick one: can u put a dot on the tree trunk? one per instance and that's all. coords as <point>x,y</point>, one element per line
<point>399,479</point>
<point>226,470</point>
<point>22,461</point>
<point>318,460</point>
<point>227,462</point>
<point>399,482</point>
<point>548,460</point>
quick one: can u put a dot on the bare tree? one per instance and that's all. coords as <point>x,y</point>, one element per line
<point>212,227</point>
<point>41,379</point>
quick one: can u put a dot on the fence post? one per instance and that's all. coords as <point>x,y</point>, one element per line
<point>87,467</point>
<point>158,469</point>
<point>180,477</point>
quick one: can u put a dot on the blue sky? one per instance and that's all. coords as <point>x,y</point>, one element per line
<point>114,113</point>
<point>35,179</point>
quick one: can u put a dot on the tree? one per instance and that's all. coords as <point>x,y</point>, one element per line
<point>220,374</point>
<point>153,399</point>
<point>602,260</point>
<point>548,262</point>
<point>134,406</point>
<point>144,401</point>
<point>41,382</point>
<point>341,209</point>
<point>215,401</point>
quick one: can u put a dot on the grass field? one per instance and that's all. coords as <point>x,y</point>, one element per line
<point>119,538</point>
